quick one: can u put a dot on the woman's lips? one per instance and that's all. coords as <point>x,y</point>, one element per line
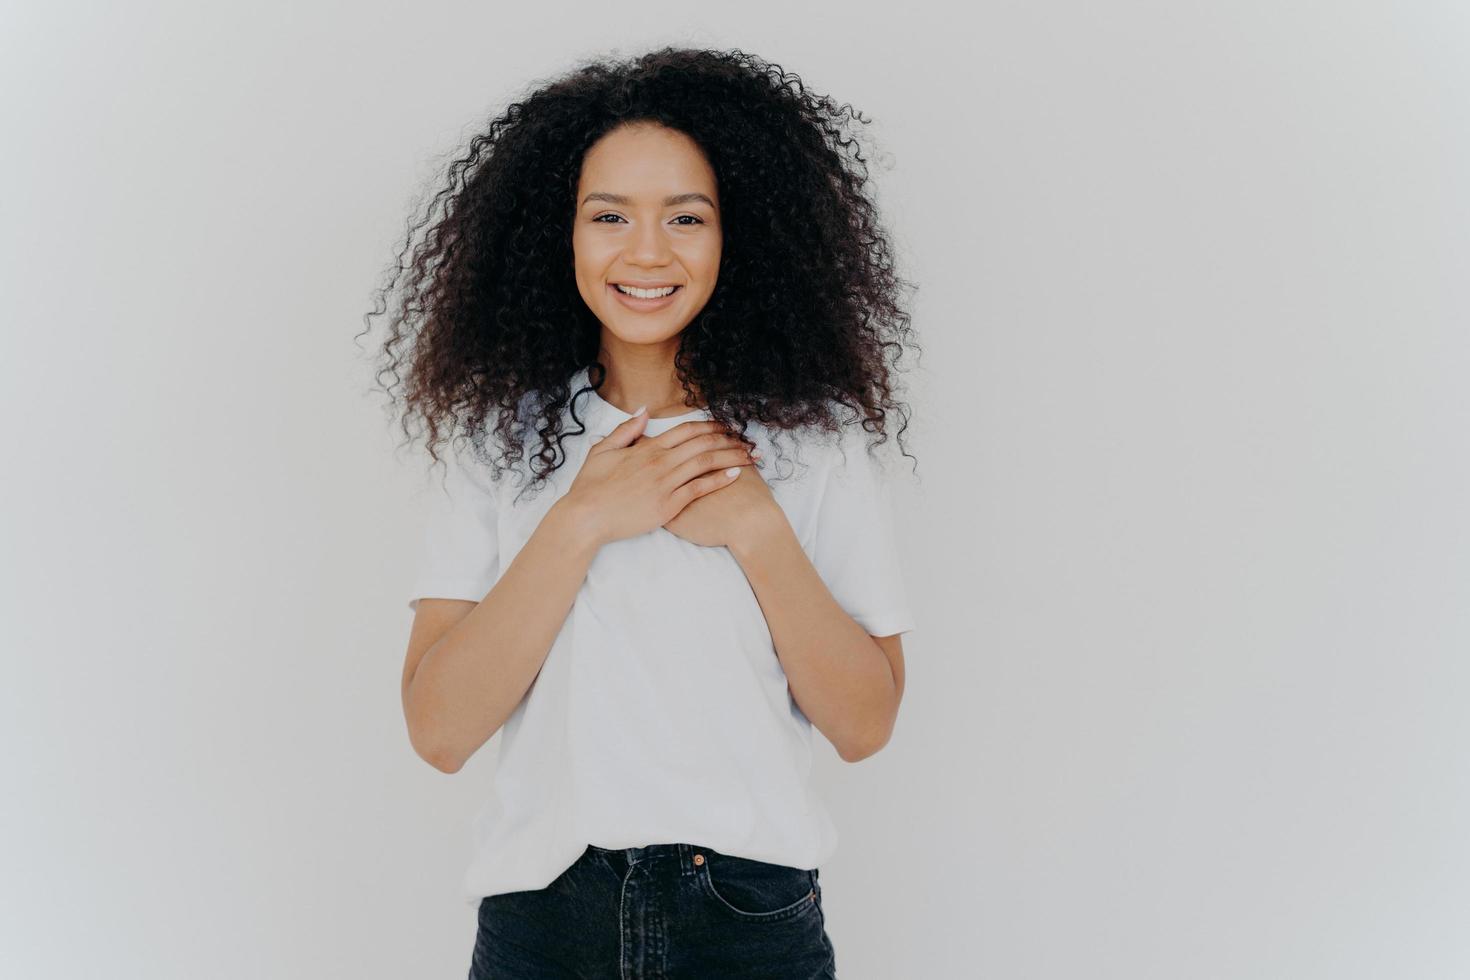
<point>643,305</point>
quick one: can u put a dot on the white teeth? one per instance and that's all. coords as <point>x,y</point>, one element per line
<point>644,293</point>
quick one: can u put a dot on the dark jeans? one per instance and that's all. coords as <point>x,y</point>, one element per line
<point>661,912</point>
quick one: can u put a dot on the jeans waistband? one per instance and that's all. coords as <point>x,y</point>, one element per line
<point>688,856</point>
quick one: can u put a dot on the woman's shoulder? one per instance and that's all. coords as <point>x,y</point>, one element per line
<point>806,457</point>
<point>835,448</point>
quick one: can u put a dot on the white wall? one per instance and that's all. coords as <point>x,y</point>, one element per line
<point>1189,550</point>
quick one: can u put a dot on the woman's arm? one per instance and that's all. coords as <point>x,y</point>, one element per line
<point>845,681</point>
<point>469,664</point>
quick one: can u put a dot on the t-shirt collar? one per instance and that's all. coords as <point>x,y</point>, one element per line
<point>602,417</point>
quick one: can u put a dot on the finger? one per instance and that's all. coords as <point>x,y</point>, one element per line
<point>685,431</point>
<point>625,432</point>
<point>711,461</point>
<point>699,445</point>
<point>705,485</point>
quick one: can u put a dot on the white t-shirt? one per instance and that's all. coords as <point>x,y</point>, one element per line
<point>661,713</point>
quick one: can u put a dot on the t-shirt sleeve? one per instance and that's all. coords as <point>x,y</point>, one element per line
<point>855,546</point>
<point>459,548</point>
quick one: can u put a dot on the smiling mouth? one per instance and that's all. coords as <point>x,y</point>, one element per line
<point>622,287</point>
<point>644,304</point>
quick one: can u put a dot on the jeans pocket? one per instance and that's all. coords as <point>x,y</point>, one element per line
<point>755,891</point>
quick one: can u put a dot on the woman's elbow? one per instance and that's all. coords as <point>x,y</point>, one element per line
<point>441,758</point>
<point>430,746</point>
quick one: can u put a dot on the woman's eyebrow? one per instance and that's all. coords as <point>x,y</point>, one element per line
<point>669,201</point>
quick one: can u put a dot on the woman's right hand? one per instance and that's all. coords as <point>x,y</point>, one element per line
<point>630,485</point>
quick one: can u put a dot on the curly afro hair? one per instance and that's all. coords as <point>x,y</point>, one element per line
<point>805,314</point>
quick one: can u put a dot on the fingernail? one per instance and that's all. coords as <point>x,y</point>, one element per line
<point>755,454</point>
<point>639,410</point>
<point>733,471</point>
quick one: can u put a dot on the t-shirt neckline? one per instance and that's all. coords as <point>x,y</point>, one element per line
<point>601,408</point>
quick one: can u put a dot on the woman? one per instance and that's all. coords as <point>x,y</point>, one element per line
<point>654,270</point>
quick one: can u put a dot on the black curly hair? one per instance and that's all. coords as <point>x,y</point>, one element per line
<point>806,311</point>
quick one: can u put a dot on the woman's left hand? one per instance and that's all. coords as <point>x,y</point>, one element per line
<point>731,512</point>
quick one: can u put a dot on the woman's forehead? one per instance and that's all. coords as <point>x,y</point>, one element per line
<point>646,166</point>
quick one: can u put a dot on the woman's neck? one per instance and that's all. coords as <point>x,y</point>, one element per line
<point>656,387</point>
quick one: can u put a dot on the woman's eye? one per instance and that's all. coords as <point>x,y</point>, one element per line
<point>619,217</point>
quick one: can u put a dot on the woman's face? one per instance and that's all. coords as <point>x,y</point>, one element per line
<point>647,214</point>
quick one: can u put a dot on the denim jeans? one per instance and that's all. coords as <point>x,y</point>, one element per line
<point>660,912</point>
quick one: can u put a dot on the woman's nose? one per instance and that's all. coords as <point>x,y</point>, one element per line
<point>649,246</point>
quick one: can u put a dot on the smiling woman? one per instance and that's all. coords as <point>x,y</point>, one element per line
<point>646,261</point>
<point>654,267</point>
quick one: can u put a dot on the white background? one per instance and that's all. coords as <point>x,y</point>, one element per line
<point>1188,541</point>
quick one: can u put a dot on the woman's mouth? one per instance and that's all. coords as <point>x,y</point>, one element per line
<point>642,304</point>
